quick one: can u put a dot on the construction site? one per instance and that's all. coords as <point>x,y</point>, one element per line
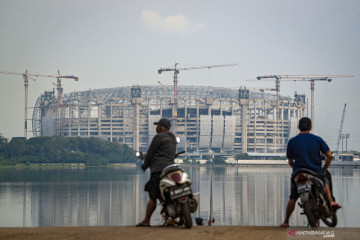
<point>205,118</point>
<point>208,120</point>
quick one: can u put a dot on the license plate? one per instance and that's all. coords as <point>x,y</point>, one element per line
<point>179,192</point>
<point>303,188</point>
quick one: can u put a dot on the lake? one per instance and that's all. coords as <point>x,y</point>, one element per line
<point>242,196</point>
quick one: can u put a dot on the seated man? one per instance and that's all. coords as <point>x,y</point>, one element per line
<point>306,149</point>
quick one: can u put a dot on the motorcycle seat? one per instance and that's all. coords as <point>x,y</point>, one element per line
<point>304,170</point>
<point>316,179</point>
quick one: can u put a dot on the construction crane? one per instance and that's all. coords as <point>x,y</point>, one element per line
<point>26,77</point>
<point>341,128</point>
<point>310,78</point>
<point>176,72</point>
<point>165,89</point>
<point>262,90</point>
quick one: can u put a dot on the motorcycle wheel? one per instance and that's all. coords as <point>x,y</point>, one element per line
<point>331,221</point>
<point>309,209</point>
<point>186,215</point>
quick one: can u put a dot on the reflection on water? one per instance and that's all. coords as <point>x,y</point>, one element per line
<point>115,196</point>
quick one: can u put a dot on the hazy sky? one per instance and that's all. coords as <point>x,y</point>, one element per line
<point>111,43</point>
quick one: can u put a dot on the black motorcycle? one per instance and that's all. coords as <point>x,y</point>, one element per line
<point>314,200</point>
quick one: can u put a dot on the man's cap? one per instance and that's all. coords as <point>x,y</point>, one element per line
<point>163,122</point>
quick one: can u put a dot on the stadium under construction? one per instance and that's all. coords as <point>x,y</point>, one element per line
<point>224,120</point>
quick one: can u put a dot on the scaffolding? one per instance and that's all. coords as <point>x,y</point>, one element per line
<point>208,118</point>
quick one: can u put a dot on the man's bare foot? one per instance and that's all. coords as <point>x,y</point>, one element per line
<point>284,225</point>
<point>335,205</point>
<point>143,224</point>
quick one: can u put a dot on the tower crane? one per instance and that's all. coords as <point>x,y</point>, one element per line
<point>310,78</point>
<point>26,77</point>
<point>176,71</point>
<point>341,127</point>
<point>262,89</point>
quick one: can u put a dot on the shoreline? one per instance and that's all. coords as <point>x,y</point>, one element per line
<point>176,233</point>
<point>246,163</point>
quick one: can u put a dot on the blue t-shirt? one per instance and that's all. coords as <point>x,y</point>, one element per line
<point>305,149</point>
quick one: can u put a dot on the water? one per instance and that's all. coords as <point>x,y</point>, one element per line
<point>115,197</point>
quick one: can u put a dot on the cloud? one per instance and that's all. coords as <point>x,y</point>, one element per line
<point>175,23</point>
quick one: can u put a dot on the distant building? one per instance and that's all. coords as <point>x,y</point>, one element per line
<point>201,161</point>
<point>267,156</point>
<point>344,157</point>
<point>223,120</point>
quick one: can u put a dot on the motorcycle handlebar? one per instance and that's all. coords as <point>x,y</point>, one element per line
<point>177,154</point>
<point>142,156</point>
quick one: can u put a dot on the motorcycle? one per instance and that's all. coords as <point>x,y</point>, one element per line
<point>178,199</point>
<point>314,200</point>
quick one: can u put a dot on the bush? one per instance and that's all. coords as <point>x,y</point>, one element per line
<point>91,151</point>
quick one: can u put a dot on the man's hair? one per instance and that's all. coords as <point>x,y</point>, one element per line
<point>305,124</point>
<point>163,128</point>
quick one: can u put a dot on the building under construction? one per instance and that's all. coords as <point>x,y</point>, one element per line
<point>224,120</point>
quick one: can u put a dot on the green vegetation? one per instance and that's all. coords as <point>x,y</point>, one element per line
<point>90,151</point>
<point>219,160</point>
<point>242,156</point>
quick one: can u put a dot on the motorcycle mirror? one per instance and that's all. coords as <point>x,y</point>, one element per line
<point>177,139</point>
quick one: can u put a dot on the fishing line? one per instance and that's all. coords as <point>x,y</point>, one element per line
<point>211,188</point>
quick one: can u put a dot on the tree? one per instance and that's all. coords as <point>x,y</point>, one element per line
<point>3,140</point>
<point>242,156</point>
<point>56,149</point>
<point>219,160</point>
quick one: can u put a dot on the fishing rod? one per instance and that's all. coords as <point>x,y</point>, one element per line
<point>211,219</point>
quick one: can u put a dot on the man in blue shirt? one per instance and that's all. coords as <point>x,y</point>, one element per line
<point>306,149</point>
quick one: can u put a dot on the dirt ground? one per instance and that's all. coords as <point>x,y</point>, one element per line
<point>172,233</point>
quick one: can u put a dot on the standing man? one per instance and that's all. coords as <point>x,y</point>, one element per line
<point>306,149</point>
<point>160,154</point>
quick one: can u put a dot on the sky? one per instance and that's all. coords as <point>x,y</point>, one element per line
<point>113,43</point>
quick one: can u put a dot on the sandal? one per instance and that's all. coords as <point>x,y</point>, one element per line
<point>142,225</point>
<point>284,225</point>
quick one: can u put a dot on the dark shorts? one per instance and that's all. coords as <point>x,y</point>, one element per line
<point>294,194</point>
<point>152,186</point>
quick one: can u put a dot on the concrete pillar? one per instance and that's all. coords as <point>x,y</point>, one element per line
<point>266,129</point>
<point>185,127</point>
<point>124,117</point>
<point>136,136</point>
<point>255,129</point>
<point>99,118</point>
<point>197,126</point>
<point>79,114</point>
<point>161,109</point>
<point>88,118</point>
<point>244,104</point>
<point>136,101</point>
<point>244,107</point>
<point>111,122</point>
<point>70,120</point>
<point>221,111</point>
